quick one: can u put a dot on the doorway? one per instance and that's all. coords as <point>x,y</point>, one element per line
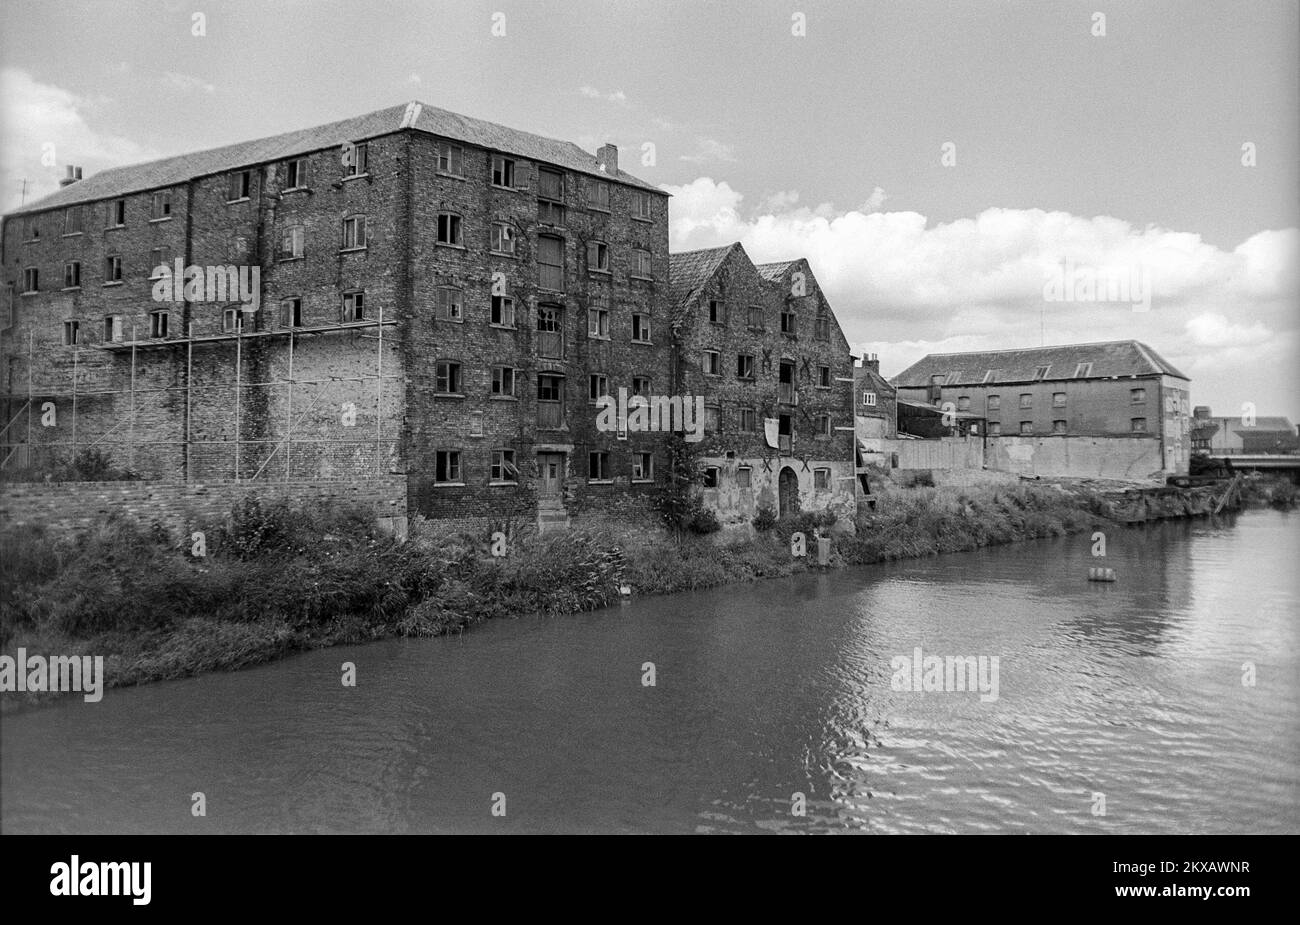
<point>788,491</point>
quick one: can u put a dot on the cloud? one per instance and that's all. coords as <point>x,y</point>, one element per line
<point>39,119</point>
<point>614,96</point>
<point>187,83</point>
<point>710,150</point>
<point>413,78</point>
<point>903,287</point>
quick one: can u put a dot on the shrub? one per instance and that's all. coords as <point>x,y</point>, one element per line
<point>765,519</point>
<point>704,521</point>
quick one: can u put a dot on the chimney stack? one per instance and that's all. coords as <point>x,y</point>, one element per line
<point>607,159</point>
<point>72,176</point>
<point>872,362</point>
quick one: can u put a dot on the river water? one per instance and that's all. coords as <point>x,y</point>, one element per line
<point>1129,693</point>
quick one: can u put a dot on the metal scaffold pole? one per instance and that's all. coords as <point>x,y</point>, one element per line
<point>379,393</point>
<point>288,416</point>
<point>189,374</point>
<point>76,352</point>
<point>239,359</point>
<point>130,445</point>
<point>27,461</point>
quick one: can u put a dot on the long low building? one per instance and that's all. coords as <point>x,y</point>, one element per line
<point>1115,409</point>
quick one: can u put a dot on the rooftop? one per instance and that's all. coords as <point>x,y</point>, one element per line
<point>173,171</point>
<point>1103,360</point>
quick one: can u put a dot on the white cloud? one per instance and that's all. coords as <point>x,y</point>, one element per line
<point>614,96</point>
<point>710,150</point>
<point>187,83</point>
<point>903,287</point>
<point>37,115</point>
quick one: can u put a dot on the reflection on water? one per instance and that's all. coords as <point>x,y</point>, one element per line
<point>1133,690</point>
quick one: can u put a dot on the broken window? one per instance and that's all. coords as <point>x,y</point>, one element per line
<point>447,377</point>
<point>446,467</point>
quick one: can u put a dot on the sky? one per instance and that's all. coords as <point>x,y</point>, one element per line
<point>942,165</point>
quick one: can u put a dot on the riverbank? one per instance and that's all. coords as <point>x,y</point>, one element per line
<point>275,579</point>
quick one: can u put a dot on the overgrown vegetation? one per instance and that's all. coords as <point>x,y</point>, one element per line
<point>276,578</point>
<point>88,465</point>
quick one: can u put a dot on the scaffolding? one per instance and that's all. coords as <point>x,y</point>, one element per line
<point>18,454</point>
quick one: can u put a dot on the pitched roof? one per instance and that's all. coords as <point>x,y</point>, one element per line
<point>171,171</point>
<point>873,378</point>
<point>775,272</point>
<point>688,271</point>
<point>1108,359</point>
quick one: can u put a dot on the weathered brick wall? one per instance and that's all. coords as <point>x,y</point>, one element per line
<point>441,422</point>
<point>183,506</point>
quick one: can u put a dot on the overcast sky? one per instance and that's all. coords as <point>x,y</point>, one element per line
<point>1118,152</point>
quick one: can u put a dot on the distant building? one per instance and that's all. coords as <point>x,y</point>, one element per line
<point>875,401</point>
<point>1241,434</point>
<point>1111,410</point>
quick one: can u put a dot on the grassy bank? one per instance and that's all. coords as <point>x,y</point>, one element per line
<point>276,579</point>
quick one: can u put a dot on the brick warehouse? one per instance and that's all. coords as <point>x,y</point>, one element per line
<point>440,297</point>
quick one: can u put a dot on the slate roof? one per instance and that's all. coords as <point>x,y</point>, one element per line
<point>1108,359</point>
<point>775,272</point>
<point>688,271</point>
<point>172,171</point>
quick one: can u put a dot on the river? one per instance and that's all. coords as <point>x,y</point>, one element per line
<point>1120,708</point>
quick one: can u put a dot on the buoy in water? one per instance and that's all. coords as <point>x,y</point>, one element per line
<point>1097,573</point>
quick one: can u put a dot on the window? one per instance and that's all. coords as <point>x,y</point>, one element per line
<point>449,229</point>
<point>744,477</point>
<point>995,402</point>
<point>503,171</point>
<point>1026,400</point>
<point>1083,370</point>
<point>550,213</point>
<point>232,320</point>
<point>598,195</point>
<point>240,184</point>
<point>31,279</point>
<point>113,328</point>
<point>641,327</point>
<point>503,381</point>
<point>503,311</point>
<point>717,312</point>
<point>641,264</point>
<point>641,385</point>
<point>446,467</point>
<point>712,419</point>
<point>869,399</point>
<point>73,220</point>
<point>640,204</point>
<point>1058,427</point>
<point>451,159</point>
<point>710,477</point>
<point>160,206</point>
<point>291,313</point>
<point>748,420</point>
<point>33,229</point>
<point>72,274</point>
<point>293,239</point>
<point>476,423</point>
<point>597,386</point>
<point>823,424</point>
<point>1137,396</point>
<point>354,232</point>
<point>963,402</point>
<point>112,269</point>
<point>823,377</point>
<point>503,238</point>
<point>1138,425</point>
<point>354,306</point>
<point>744,366</point>
<point>550,263</point>
<point>822,479</point>
<point>296,174</point>
<point>755,317</point>
<point>447,377</point>
<point>643,467</point>
<point>712,364</point>
<point>598,466</point>
<point>357,161</point>
<point>1058,399</point>
<point>117,213</point>
<point>550,185</point>
<point>450,304</point>
<point>1042,371</point>
<point>1026,427</point>
<point>787,321</point>
<point>503,466</point>
<point>598,256</point>
<point>160,259</point>
<point>995,429</point>
<point>158,324</point>
<point>71,333</point>
<point>598,321</point>
<point>822,329</point>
